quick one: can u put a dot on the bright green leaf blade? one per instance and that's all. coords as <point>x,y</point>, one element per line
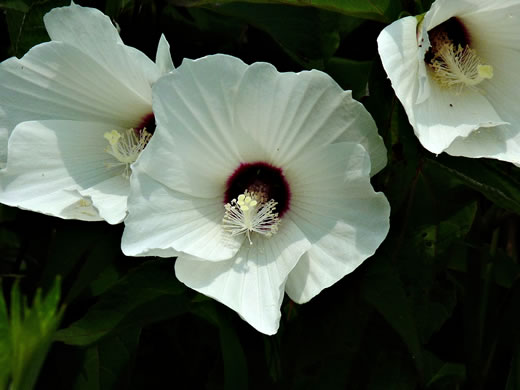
<point>148,293</point>
<point>32,334</point>
<point>5,344</point>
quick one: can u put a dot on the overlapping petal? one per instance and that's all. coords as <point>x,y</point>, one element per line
<point>252,282</point>
<point>339,212</point>
<point>84,80</point>
<point>60,158</point>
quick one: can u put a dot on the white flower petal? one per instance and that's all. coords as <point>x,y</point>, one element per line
<point>307,109</point>
<point>252,283</point>
<point>92,32</point>
<point>110,198</point>
<point>193,110</point>
<point>442,10</point>
<point>501,142</point>
<point>86,28</point>
<point>163,58</point>
<point>338,211</point>
<point>398,49</point>
<point>51,162</point>
<point>160,218</point>
<point>57,81</point>
<point>445,116</point>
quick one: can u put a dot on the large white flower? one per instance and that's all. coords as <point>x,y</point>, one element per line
<point>259,182</point>
<point>456,74</point>
<point>78,105</point>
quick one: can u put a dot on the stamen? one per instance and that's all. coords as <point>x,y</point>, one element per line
<point>248,214</point>
<point>456,67</point>
<point>126,147</point>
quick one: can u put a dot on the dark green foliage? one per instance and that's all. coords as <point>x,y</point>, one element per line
<point>436,308</point>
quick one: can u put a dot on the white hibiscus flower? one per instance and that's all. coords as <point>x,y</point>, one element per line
<point>81,110</point>
<point>259,182</point>
<point>456,74</point>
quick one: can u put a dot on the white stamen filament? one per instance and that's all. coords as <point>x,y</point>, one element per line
<point>126,147</point>
<point>247,214</point>
<point>457,67</point>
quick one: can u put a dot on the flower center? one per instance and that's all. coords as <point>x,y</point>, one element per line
<point>256,198</point>
<point>125,146</point>
<point>451,60</point>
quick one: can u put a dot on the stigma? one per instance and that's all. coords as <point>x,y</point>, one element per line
<point>454,65</point>
<point>125,147</point>
<point>251,213</point>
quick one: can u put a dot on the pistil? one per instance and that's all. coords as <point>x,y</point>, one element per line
<point>126,147</point>
<point>454,65</point>
<point>250,213</point>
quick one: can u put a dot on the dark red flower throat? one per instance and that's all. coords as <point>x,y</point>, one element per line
<point>260,177</point>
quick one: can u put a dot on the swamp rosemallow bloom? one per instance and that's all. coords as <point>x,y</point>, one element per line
<point>81,109</point>
<point>259,182</point>
<point>456,73</point>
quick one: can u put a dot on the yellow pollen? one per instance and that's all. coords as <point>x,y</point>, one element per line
<point>248,214</point>
<point>125,146</point>
<point>456,67</point>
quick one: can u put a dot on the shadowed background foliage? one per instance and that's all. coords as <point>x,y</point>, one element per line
<point>436,308</point>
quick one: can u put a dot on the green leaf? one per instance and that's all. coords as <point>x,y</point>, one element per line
<point>449,373</point>
<point>513,380</point>
<point>383,289</point>
<point>380,10</point>
<point>5,344</point>
<point>147,294</point>
<point>30,334</point>
<point>25,24</point>
<point>350,74</point>
<point>80,251</point>
<point>310,36</point>
<point>487,177</point>
<point>114,7</point>
<point>14,5</point>
<point>391,371</point>
<point>107,364</point>
<point>235,365</point>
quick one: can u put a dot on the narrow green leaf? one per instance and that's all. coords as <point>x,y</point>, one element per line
<point>5,345</point>
<point>31,330</point>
